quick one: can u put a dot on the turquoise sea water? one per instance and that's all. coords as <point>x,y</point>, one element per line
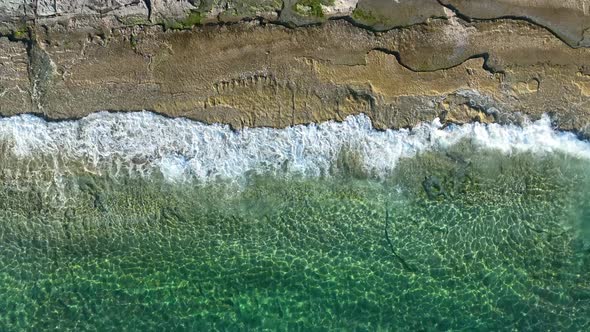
<point>462,236</point>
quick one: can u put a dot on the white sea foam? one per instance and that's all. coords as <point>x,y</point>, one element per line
<point>144,143</point>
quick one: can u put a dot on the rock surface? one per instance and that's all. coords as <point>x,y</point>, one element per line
<point>568,19</point>
<point>15,93</point>
<point>383,15</point>
<point>275,63</point>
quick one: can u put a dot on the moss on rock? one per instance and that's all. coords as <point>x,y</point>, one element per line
<point>311,7</point>
<point>193,18</point>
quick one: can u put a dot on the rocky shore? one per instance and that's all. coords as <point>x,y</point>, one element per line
<point>278,63</point>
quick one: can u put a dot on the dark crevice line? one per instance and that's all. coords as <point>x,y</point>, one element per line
<point>29,44</point>
<point>261,21</point>
<point>467,18</point>
<point>403,262</point>
<point>374,30</point>
<point>148,4</point>
<point>264,21</point>
<point>351,21</point>
<point>485,56</point>
<point>455,11</point>
<point>14,39</point>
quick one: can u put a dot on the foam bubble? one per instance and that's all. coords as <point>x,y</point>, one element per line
<point>143,143</point>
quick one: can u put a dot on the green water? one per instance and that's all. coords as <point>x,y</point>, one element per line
<point>504,246</point>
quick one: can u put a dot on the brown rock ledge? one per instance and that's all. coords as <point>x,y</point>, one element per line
<point>258,74</point>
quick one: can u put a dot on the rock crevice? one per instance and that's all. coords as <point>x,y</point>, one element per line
<point>250,73</point>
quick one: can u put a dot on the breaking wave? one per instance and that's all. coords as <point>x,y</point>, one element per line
<point>144,144</point>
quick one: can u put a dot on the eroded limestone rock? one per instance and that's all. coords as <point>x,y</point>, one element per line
<point>568,19</point>
<point>15,87</point>
<point>174,57</point>
<point>384,15</point>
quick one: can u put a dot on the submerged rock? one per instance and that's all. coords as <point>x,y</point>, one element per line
<point>433,187</point>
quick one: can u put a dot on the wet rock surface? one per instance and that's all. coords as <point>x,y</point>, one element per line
<point>279,63</point>
<point>569,19</point>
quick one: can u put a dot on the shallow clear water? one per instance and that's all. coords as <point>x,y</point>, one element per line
<point>106,226</point>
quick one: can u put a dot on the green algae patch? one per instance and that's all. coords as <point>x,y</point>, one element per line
<point>236,10</point>
<point>134,20</point>
<point>21,34</point>
<point>311,7</point>
<point>193,18</point>
<point>372,18</point>
<point>365,17</point>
